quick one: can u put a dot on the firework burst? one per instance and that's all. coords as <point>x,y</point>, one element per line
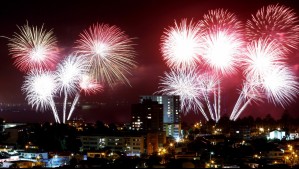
<point>110,53</point>
<point>70,72</point>
<point>222,45</point>
<point>266,69</point>
<point>275,22</point>
<point>184,83</point>
<point>280,85</point>
<point>88,85</point>
<point>260,57</point>
<point>181,45</point>
<point>220,19</point>
<point>40,88</point>
<point>222,41</point>
<point>221,52</point>
<point>33,48</point>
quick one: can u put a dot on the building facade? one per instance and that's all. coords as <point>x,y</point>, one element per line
<point>147,116</point>
<point>130,144</point>
<point>171,113</point>
<point>171,107</point>
<point>154,141</point>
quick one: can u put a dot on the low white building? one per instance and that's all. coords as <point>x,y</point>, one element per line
<point>33,155</point>
<point>293,136</point>
<point>58,161</point>
<point>130,144</point>
<point>276,134</point>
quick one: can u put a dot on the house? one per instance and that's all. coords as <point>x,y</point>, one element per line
<point>276,134</point>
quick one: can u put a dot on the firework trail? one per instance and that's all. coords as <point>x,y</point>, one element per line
<point>33,48</point>
<point>208,83</point>
<point>88,86</point>
<point>265,65</point>
<point>69,74</point>
<point>186,84</point>
<point>181,45</point>
<point>275,22</point>
<point>273,33</point>
<point>109,51</point>
<point>279,86</point>
<point>259,58</point>
<point>40,88</point>
<point>222,46</point>
<point>251,92</point>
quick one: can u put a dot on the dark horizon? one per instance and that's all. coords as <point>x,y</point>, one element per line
<point>93,114</point>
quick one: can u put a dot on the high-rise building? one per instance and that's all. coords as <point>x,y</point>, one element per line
<point>171,113</point>
<point>171,107</point>
<point>147,116</point>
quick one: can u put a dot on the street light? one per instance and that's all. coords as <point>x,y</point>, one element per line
<point>286,159</point>
<point>211,153</point>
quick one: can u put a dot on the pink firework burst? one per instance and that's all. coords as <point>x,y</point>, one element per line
<point>222,40</point>
<point>181,45</point>
<point>221,52</point>
<point>276,22</point>
<point>260,57</point>
<point>110,52</point>
<point>220,19</point>
<point>33,48</point>
<point>89,86</point>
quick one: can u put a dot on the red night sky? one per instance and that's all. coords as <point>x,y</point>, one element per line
<point>145,21</point>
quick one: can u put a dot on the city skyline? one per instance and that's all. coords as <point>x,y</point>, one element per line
<point>145,22</point>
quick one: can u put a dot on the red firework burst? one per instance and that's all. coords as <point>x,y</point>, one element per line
<point>33,48</point>
<point>275,22</point>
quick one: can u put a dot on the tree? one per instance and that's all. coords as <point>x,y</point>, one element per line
<point>249,121</point>
<point>285,120</point>
<point>3,135</point>
<point>259,121</point>
<point>269,121</point>
<point>224,123</point>
<point>101,128</point>
<point>112,127</point>
<point>154,160</point>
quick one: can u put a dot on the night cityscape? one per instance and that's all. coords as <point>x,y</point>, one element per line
<point>149,84</point>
